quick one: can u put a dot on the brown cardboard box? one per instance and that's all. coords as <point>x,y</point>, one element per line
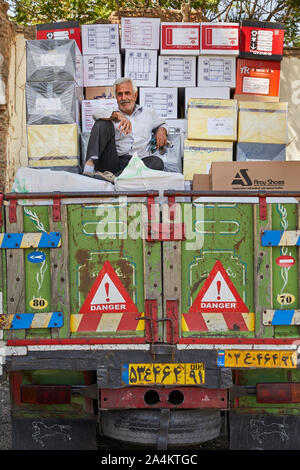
<point>267,99</point>
<point>96,92</point>
<point>249,176</point>
<point>201,183</point>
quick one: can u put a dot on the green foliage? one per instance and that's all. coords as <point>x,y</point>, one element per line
<point>88,11</point>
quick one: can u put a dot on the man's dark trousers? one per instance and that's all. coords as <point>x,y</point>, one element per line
<point>102,144</point>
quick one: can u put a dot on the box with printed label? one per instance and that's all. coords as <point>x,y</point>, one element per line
<point>96,92</point>
<point>220,38</point>
<point>100,70</point>
<point>212,119</point>
<point>257,77</point>
<point>260,151</point>
<point>247,176</point>
<point>180,38</point>
<point>261,40</point>
<point>260,122</point>
<point>163,100</point>
<point>171,154</point>
<point>199,154</point>
<point>141,66</point>
<point>61,30</point>
<point>178,126</point>
<point>84,141</point>
<point>53,102</point>
<point>211,92</point>
<point>178,71</point>
<point>53,145</point>
<point>89,107</point>
<point>216,71</point>
<point>100,39</point>
<point>53,60</point>
<point>140,33</point>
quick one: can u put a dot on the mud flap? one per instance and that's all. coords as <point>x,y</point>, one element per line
<point>264,431</point>
<point>53,434</point>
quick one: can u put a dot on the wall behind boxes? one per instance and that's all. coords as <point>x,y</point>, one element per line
<point>14,153</point>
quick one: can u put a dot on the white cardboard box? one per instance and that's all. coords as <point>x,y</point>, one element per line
<point>163,100</point>
<point>181,124</point>
<point>101,70</point>
<point>100,38</point>
<point>220,38</point>
<point>216,71</point>
<point>180,38</point>
<point>140,33</point>
<point>141,66</point>
<point>89,107</point>
<point>221,92</point>
<point>178,71</point>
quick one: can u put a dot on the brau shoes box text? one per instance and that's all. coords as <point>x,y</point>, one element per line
<point>258,176</point>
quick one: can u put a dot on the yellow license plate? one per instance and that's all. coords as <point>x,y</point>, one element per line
<point>259,358</point>
<point>164,374</point>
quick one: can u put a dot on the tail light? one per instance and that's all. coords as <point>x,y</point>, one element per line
<point>278,393</point>
<point>45,394</point>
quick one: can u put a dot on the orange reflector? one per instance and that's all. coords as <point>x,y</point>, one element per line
<point>278,393</point>
<point>46,394</point>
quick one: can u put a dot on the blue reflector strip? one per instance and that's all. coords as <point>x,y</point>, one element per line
<point>19,321</point>
<point>271,238</point>
<point>283,317</point>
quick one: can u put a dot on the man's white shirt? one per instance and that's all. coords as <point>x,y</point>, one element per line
<point>143,122</point>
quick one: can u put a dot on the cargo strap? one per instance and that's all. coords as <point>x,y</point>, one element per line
<point>162,439</point>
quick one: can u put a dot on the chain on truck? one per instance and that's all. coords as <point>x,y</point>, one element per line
<point>161,318</point>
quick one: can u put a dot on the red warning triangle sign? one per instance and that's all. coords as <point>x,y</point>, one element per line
<point>218,294</point>
<point>108,295</point>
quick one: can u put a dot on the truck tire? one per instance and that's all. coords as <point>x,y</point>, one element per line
<point>186,427</point>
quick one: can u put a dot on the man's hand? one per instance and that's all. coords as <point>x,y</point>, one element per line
<point>161,137</point>
<point>125,124</point>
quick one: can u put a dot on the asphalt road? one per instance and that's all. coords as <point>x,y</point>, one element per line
<point>5,425</point>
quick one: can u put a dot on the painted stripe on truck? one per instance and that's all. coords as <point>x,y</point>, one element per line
<point>281,317</point>
<point>280,238</point>
<point>20,321</point>
<point>30,240</point>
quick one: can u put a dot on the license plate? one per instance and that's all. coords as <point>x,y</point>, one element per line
<point>164,374</point>
<point>258,359</point>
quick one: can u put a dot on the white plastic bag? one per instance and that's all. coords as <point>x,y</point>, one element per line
<point>29,180</point>
<point>137,177</point>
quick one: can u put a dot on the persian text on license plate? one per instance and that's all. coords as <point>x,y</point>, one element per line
<point>164,374</point>
<point>259,358</point>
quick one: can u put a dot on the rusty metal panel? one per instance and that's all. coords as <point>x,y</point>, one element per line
<point>144,397</point>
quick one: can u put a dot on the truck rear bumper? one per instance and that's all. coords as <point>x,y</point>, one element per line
<point>108,362</point>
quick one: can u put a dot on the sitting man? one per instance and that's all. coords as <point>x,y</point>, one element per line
<point>117,135</point>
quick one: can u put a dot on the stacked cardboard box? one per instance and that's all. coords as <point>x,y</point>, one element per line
<point>211,117</point>
<point>262,133</point>
<point>53,100</point>
<point>200,77</point>
<point>211,131</point>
